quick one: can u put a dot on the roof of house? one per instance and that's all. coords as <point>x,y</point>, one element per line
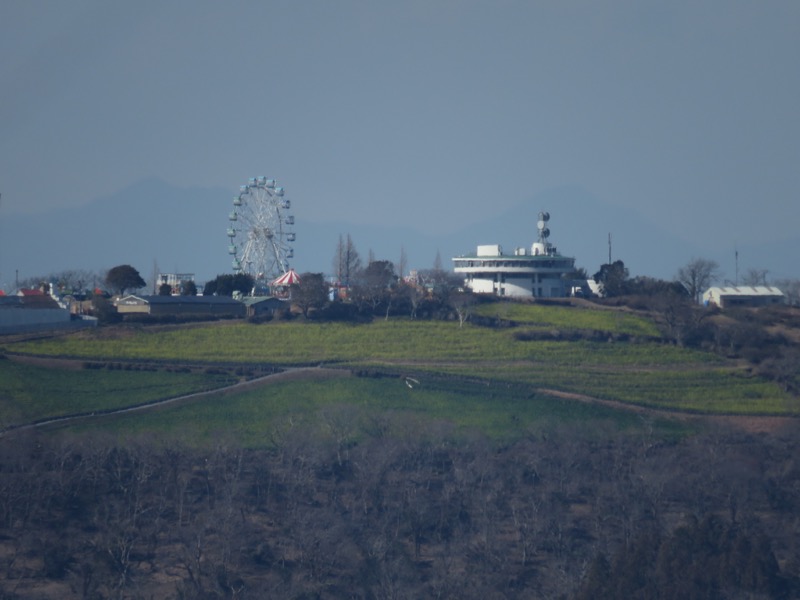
<point>42,301</point>
<point>745,290</point>
<point>33,301</point>
<point>179,299</point>
<point>269,300</point>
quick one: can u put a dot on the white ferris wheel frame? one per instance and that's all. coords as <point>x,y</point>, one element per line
<point>260,230</point>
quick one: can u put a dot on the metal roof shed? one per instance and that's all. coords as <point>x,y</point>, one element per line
<point>752,296</point>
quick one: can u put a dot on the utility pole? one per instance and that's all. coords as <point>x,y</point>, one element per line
<point>1,262</point>
<point>609,248</point>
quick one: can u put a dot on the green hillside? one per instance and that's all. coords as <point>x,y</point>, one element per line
<point>498,380</point>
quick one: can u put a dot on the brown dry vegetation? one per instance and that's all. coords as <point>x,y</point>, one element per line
<point>406,514</point>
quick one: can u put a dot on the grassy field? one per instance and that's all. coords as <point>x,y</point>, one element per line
<point>379,342</point>
<point>491,379</point>
<point>568,317</point>
<point>347,409</point>
<point>31,393</point>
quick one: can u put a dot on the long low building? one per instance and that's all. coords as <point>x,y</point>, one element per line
<point>743,295</point>
<point>180,305</point>
<point>537,272</point>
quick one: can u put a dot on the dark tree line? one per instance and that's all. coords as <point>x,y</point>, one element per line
<point>228,283</point>
<point>367,505</point>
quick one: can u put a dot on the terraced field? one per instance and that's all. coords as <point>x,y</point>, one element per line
<point>496,380</point>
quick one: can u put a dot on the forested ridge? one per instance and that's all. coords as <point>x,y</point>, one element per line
<point>405,512</point>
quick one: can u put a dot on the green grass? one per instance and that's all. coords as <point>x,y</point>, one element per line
<point>29,393</point>
<point>351,408</point>
<point>569,317</point>
<point>381,341</point>
<point>680,387</point>
<point>644,373</point>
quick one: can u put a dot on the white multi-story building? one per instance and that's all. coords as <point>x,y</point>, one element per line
<point>174,280</point>
<point>536,272</point>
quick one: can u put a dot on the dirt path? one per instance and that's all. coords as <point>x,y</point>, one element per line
<point>290,374</point>
<point>751,424</point>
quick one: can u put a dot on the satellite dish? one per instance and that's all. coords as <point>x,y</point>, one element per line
<point>540,224</point>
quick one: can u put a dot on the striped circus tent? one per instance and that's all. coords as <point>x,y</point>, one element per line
<point>288,278</point>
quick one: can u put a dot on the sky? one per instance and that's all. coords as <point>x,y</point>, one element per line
<point>429,114</point>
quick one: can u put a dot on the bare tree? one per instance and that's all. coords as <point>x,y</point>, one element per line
<point>67,281</point>
<point>311,292</point>
<point>791,289</point>
<point>402,263</point>
<point>755,277</point>
<point>462,303</point>
<point>437,262</point>
<point>346,261</point>
<point>415,295</point>
<point>371,286</point>
<point>697,275</point>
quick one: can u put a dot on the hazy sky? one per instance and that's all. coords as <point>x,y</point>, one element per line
<point>428,113</point>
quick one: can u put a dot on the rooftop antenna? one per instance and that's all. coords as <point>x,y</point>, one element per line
<point>736,252</point>
<point>541,225</point>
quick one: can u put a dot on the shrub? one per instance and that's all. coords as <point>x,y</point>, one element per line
<point>339,311</point>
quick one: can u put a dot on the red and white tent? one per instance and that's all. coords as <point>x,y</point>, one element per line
<point>288,278</point>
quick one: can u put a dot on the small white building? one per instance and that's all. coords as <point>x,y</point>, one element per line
<point>174,280</point>
<point>746,295</point>
<point>536,272</point>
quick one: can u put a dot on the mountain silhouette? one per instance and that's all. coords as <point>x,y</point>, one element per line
<point>183,229</point>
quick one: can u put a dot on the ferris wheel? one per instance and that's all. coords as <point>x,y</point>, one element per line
<point>260,230</point>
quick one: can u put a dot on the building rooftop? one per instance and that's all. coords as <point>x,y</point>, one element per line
<point>178,299</point>
<point>746,290</point>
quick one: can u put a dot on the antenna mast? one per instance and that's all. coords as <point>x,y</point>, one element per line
<point>544,231</point>
<point>609,248</point>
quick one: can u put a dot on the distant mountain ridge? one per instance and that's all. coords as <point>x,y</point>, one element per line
<point>183,229</point>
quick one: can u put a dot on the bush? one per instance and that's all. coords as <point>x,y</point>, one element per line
<point>570,335</point>
<point>339,311</point>
<point>259,319</point>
